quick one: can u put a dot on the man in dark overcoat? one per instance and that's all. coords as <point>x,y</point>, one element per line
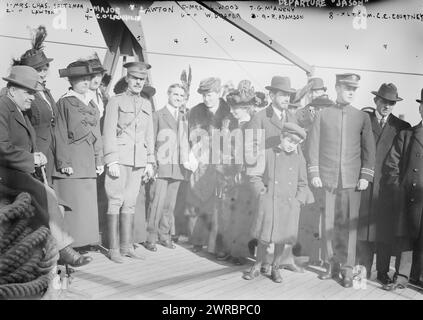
<point>19,156</point>
<point>404,173</point>
<point>376,208</point>
<point>341,158</point>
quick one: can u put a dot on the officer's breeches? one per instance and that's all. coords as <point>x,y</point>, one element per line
<point>122,192</point>
<point>340,222</point>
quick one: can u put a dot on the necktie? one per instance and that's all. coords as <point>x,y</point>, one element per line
<point>283,116</point>
<point>382,122</point>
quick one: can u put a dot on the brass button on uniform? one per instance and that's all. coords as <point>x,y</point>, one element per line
<point>414,184</point>
<point>412,200</point>
<point>415,169</point>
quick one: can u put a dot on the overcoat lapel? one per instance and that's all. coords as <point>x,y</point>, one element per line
<point>388,132</point>
<point>20,119</point>
<point>23,120</point>
<point>377,130</point>
<point>274,118</point>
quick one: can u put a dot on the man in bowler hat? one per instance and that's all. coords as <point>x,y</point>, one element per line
<point>341,159</point>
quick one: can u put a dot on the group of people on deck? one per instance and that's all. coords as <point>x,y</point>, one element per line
<point>234,173</point>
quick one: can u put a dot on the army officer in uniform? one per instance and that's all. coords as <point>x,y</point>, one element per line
<point>128,136</point>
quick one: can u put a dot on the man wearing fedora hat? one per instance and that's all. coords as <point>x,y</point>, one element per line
<point>341,159</point>
<point>403,170</point>
<point>128,136</point>
<point>376,214</point>
<point>19,158</point>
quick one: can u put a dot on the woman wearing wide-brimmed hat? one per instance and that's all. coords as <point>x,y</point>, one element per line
<point>43,112</point>
<point>238,193</point>
<point>79,154</point>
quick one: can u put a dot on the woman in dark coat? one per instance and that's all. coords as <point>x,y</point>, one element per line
<point>202,196</point>
<point>78,154</point>
<point>239,197</point>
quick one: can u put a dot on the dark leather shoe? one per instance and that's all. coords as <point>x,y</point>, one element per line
<point>150,246</point>
<point>197,248</point>
<point>69,256</point>
<point>332,271</point>
<point>222,256</point>
<point>384,279</point>
<point>293,268</point>
<point>253,273</point>
<point>175,239</point>
<point>168,244</point>
<point>276,274</point>
<point>347,280</point>
<point>265,268</point>
<point>131,253</point>
<point>238,261</point>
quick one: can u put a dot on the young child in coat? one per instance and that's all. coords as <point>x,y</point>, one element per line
<point>281,190</point>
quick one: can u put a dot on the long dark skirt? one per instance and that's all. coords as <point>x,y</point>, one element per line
<point>243,209</point>
<point>82,221</point>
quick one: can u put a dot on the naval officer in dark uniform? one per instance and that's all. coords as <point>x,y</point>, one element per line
<point>341,159</point>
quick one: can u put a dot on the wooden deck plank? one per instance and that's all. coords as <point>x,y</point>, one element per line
<point>179,275</point>
<point>182,274</point>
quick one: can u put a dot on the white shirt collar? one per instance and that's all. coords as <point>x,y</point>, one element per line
<point>172,110</point>
<point>278,112</point>
<point>379,116</point>
<point>85,99</point>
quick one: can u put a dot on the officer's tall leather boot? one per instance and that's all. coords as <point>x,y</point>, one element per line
<point>127,236</point>
<point>113,238</point>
